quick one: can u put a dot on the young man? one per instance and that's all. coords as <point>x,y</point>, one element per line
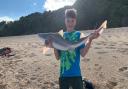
<point>70,72</point>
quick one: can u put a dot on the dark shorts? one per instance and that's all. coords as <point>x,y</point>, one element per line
<point>74,82</point>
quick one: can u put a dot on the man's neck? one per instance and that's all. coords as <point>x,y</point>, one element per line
<point>70,30</point>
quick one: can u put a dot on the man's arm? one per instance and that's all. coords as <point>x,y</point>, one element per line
<point>85,50</point>
<point>56,53</point>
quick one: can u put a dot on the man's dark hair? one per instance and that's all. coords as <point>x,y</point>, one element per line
<point>70,13</point>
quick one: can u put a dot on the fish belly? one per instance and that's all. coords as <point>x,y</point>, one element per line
<point>60,47</point>
<point>79,43</point>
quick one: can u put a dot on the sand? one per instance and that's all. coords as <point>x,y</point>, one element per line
<point>106,63</point>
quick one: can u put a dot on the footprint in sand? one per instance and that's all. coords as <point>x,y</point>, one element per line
<point>52,84</point>
<point>126,44</point>
<point>98,67</point>
<point>125,74</point>
<point>115,57</point>
<point>101,43</point>
<point>24,82</point>
<point>123,50</point>
<point>1,74</point>
<point>3,86</point>
<point>102,52</point>
<point>96,64</point>
<point>97,48</point>
<point>122,69</point>
<point>32,55</point>
<point>100,57</point>
<point>110,47</point>
<point>101,75</point>
<point>111,84</point>
<point>33,78</point>
<point>86,59</point>
<point>48,54</point>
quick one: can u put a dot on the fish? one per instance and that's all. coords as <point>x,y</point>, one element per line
<point>58,42</point>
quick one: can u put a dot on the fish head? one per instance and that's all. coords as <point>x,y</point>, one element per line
<point>46,37</point>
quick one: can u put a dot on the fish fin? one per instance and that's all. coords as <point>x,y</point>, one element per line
<point>105,24</point>
<point>82,35</point>
<point>102,27</point>
<point>61,32</point>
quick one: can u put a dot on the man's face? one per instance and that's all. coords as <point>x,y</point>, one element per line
<point>70,23</point>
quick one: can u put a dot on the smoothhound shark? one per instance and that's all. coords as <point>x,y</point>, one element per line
<point>60,43</point>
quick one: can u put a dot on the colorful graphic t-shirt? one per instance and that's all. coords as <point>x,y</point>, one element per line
<point>70,60</point>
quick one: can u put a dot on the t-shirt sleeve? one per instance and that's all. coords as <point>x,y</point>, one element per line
<point>82,46</point>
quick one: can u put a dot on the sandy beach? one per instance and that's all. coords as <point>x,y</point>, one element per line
<point>106,64</point>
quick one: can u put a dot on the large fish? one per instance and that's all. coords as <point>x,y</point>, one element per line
<point>60,43</point>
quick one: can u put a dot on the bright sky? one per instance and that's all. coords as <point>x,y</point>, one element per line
<point>13,9</point>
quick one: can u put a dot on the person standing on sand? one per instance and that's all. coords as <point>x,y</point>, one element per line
<point>70,72</point>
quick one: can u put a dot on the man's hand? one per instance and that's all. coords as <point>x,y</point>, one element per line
<point>56,53</point>
<point>98,31</point>
<point>94,35</point>
<point>48,43</point>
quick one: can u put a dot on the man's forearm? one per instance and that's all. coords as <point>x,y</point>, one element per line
<point>85,50</point>
<point>56,54</point>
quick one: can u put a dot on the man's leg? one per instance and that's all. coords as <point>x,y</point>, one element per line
<point>63,83</point>
<point>76,83</point>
